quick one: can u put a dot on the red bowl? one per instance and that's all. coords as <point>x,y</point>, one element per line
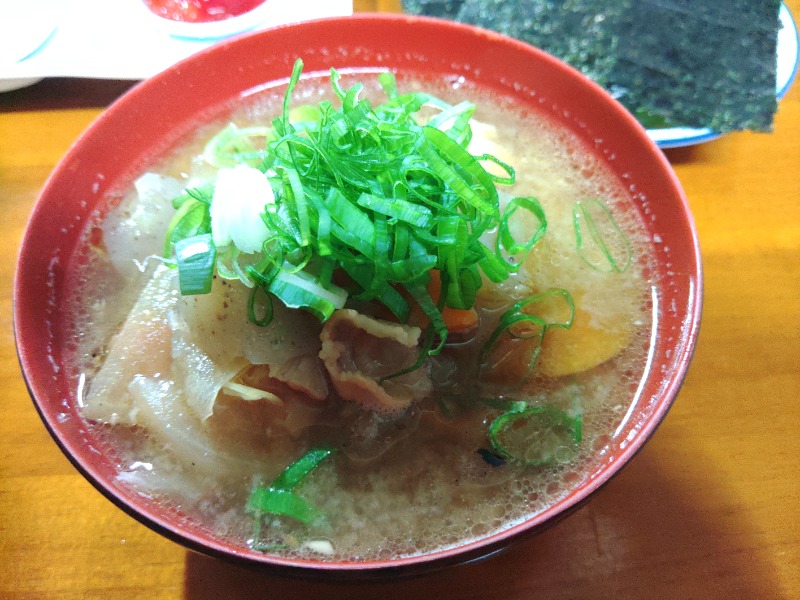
<point>162,109</point>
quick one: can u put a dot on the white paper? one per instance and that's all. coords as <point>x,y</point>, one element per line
<point>112,39</point>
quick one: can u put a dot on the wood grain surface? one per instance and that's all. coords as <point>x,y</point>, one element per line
<point>710,509</point>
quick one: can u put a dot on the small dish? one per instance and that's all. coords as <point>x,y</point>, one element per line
<point>17,83</point>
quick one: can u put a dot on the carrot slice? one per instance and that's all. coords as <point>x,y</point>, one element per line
<point>457,320</point>
<point>582,346</point>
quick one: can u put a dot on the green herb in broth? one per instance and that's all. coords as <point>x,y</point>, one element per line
<point>536,435</point>
<point>196,258</point>
<point>525,325</point>
<point>601,243</point>
<point>277,497</point>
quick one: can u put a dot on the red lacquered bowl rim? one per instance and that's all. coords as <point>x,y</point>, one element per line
<point>427,47</point>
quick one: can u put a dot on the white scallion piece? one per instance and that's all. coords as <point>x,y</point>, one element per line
<point>240,195</point>
<point>319,546</point>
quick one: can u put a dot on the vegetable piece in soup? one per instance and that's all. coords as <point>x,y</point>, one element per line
<point>375,322</point>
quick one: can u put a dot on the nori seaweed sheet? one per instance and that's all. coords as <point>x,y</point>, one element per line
<point>447,9</point>
<point>697,63</point>
<point>702,64</point>
<point>580,32</point>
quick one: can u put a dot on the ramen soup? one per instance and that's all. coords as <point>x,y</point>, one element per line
<point>371,321</point>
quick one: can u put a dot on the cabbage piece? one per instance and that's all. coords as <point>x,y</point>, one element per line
<point>132,234</point>
<point>202,377</point>
<point>219,323</point>
<point>155,342</point>
<point>161,410</point>
<point>200,341</point>
<point>151,480</point>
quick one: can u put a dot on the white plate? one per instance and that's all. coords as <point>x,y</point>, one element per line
<point>675,137</point>
<point>24,30</point>
<point>121,39</point>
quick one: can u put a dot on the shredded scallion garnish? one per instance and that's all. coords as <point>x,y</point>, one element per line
<point>378,194</point>
<point>196,257</point>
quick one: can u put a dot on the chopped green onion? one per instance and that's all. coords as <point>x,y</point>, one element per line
<point>196,257</point>
<point>525,334</point>
<point>601,242</point>
<point>495,268</point>
<point>388,296</point>
<point>402,210</point>
<point>555,307</point>
<point>525,325</point>
<point>277,498</point>
<point>510,175</point>
<point>459,169</point>
<point>355,228</point>
<point>505,238</point>
<point>266,318</point>
<point>302,290</point>
<point>458,117</point>
<point>297,69</point>
<point>235,146</point>
<point>202,194</point>
<point>433,312</point>
<point>282,502</point>
<point>296,197</point>
<point>536,435</point>
<point>191,219</point>
<point>299,470</point>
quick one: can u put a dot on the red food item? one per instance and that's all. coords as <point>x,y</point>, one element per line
<point>201,11</point>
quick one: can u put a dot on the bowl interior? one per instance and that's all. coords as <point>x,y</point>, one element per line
<point>161,110</point>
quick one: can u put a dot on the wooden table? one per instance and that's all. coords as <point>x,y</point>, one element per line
<point>709,509</point>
